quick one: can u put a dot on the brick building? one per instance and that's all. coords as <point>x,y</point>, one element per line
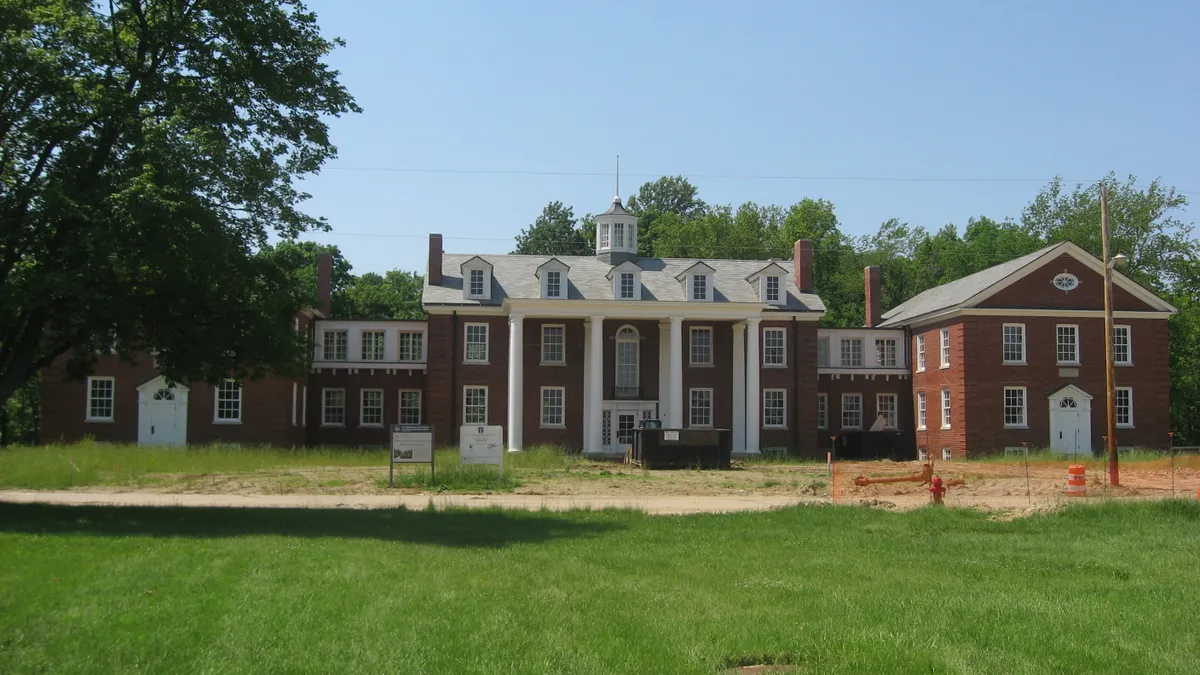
<point>577,350</point>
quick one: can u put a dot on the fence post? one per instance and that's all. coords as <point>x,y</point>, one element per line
<point>1028,491</point>
<point>833,486</point>
<point>1171,436</point>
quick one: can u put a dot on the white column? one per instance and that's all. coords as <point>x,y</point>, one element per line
<point>596,382</point>
<point>676,392</point>
<point>587,387</point>
<point>664,371</point>
<point>753,394</point>
<point>516,371</point>
<point>739,388</point>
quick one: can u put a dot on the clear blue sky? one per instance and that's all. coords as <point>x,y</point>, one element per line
<point>717,90</point>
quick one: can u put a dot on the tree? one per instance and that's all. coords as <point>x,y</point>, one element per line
<point>669,194</point>
<point>395,295</point>
<point>553,233</point>
<point>299,260</point>
<point>149,147</point>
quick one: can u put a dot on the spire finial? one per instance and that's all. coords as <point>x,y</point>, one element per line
<point>618,177</point>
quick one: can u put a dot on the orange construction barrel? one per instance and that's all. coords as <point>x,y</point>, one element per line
<point>1076,481</point>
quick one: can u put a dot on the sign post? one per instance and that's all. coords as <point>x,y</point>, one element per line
<point>411,444</point>
<point>482,444</point>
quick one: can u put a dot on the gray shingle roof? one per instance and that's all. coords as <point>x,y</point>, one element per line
<point>958,291</point>
<point>616,209</point>
<point>513,276</point>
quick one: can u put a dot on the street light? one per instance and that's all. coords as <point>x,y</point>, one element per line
<point>1109,369</point>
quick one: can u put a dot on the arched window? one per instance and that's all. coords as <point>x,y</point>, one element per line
<point>628,344</point>
<point>1068,402</point>
<point>164,395</point>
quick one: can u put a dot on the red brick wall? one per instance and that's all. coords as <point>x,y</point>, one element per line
<point>718,376</point>
<point>934,380</point>
<point>833,388</point>
<point>1037,292</point>
<point>448,374</point>
<point>353,433</point>
<point>569,375</point>
<point>803,345</point>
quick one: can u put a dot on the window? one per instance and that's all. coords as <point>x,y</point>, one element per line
<point>552,406</point>
<point>476,283</point>
<point>475,403</point>
<point>412,346</point>
<point>885,407</point>
<point>1122,355</point>
<point>945,408</point>
<point>921,411</point>
<point>554,284</point>
<point>627,362</point>
<point>774,351</point>
<point>100,398</point>
<point>1014,343</point>
<point>619,235</point>
<point>552,344</point>
<point>335,345</point>
<point>945,347</point>
<point>852,411</point>
<point>604,235</point>
<point>371,408</point>
<point>822,411</point>
<point>772,289</point>
<point>1014,408</point>
<point>477,344</point>
<point>774,408</point>
<point>852,352</point>
<point>410,406</point>
<point>1068,345</point>
<point>228,398</point>
<point>699,286</point>
<point>885,353</point>
<point>626,285</point>
<point>701,410</point>
<point>372,345</point>
<point>823,352</point>
<point>701,351</point>
<point>920,353</point>
<point>333,410</point>
<point>606,428</point>
<point>947,455</point>
<point>1124,400</point>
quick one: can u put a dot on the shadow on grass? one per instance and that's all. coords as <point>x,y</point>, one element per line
<point>467,529</point>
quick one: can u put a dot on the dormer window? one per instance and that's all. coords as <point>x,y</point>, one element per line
<point>553,284</point>
<point>698,282</point>
<point>553,277</point>
<point>768,284</point>
<point>476,283</point>
<point>627,285</point>
<point>477,279</point>
<point>700,287</point>
<point>772,289</point>
<point>626,281</point>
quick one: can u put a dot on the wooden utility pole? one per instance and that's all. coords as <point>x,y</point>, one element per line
<point>1114,478</point>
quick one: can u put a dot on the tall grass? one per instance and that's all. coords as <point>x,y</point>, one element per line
<point>1146,457</point>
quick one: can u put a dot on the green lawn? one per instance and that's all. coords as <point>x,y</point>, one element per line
<point>1109,588</point>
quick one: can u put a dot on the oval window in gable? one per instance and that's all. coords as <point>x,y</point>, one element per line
<point>1066,282</point>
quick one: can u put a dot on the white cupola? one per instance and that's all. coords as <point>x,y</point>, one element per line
<point>616,234</point>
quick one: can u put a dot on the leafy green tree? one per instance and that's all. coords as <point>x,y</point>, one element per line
<point>299,260</point>
<point>553,233</point>
<point>149,147</point>
<point>394,295</point>
<point>654,199</point>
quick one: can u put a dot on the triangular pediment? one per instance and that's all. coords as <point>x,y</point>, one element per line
<point>161,382</point>
<point>773,269</point>
<point>627,266</point>
<point>696,268</point>
<point>1068,389</point>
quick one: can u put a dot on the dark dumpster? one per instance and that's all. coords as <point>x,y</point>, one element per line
<point>657,448</point>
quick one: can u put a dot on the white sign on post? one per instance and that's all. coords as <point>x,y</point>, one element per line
<point>412,443</point>
<point>670,435</point>
<point>480,444</point>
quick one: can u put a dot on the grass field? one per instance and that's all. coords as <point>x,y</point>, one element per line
<point>1110,588</point>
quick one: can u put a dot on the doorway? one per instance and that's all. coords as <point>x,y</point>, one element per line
<point>1071,421</point>
<point>162,413</point>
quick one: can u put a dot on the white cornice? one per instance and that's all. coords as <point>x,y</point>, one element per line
<point>628,309</point>
<point>952,313</point>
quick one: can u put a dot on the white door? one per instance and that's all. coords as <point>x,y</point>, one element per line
<point>1070,425</point>
<point>626,423</point>
<point>162,416</point>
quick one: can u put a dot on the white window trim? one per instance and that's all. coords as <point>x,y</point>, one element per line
<point>469,283</point>
<point>1130,425</point>
<point>1024,411</point>
<point>822,397</point>
<point>1024,345</point>
<point>362,335</point>
<point>1128,346</point>
<point>920,353</point>
<point>781,297</point>
<point>325,339</point>
<point>362,397</point>
<point>862,348</point>
<point>947,455</point>
<point>862,413</point>
<point>708,288</point>
<point>87,399</point>
<point>895,410</point>
<point>542,355</point>
<point>712,356</point>
<point>400,405</point>
<point>922,415</point>
<point>764,347</point>
<point>764,409</point>
<point>295,390</point>
<point>944,348</point>
<point>487,402</point>
<point>635,340</point>
<point>325,406</point>
<point>400,350</point>
<point>217,404</point>
<point>945,409</point>
<point>712,409</point>
<point>1078,349</point>
<point>895,351</point>
<point>542,408</point>
<point>487,344</point>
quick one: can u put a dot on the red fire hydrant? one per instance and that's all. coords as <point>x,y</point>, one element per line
<point>937,490</point>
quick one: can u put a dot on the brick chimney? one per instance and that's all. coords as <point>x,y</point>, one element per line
<point>871,281</point>
<point>803,265</point>
<point>434,273</point>
<point>325,283</point>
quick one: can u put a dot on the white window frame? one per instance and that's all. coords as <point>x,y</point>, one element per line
<point>1128,333</point>
<point>692,346</point>
<point>1058,344</point>
<point>112,399</point>
<point>692,407</point>
<point>471,277</point>
<point>1023,422</point>
<point>782,424</point>
<point>944,337</point>
<point>881,358</point>
<point>604,236</point>
<point>557,277</point>
<point>362,345</point>
<point>562,408</point>
<point>466,402</point>
<point>920,353</point>
<point>295,391</point>
<point>618,235</point>
<point>699,282</point>
<point>329,351</point>
<point>922,411</point>
<point>894,423</point>
<point>777,289</point>
<point>1004,356</point>
<point>417,339</point>
<point>487,330</point>
<point>1128,391</point>
<point>822,411</point>
<point>843,352</point>
<point>947,417</point>
<point>621,285</point>
<point>400,406</point>
<point>325,407</point>
<point>362,407</point>
<point>217,419</point>
<point>947,455</point>
<point>627,334</point>
<point>848,397</point>
<point>781,350</point>
<point>562,345</point>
